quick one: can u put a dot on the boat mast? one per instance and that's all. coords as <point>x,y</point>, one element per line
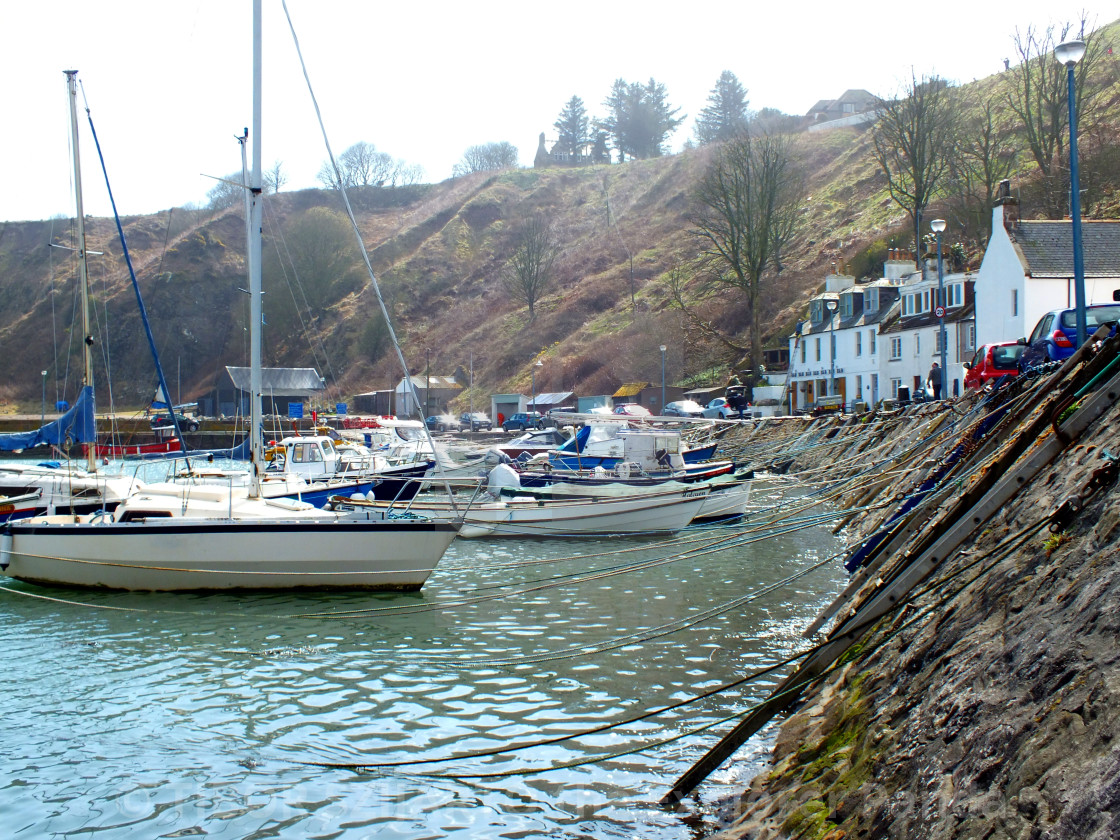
<point>255,224</point>
<point>83,274</point>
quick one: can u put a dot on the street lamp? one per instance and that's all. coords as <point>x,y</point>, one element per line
<point>662,378</point>
<point>938,227</point>
<point>1069,54</point>
<point>832,306</point>
<point>43,412</point>
<point>533,371</point>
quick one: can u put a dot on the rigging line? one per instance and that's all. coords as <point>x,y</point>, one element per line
<point>792,689</point>
<point>631,639</point>
<point>357,232</point>
<point>721,542</point>
<point>533,587</point>
<point>606,727</point>
<point>308,333</point>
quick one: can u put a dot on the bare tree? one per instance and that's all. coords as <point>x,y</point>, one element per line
<point>407,174</point>
<point>912,142</point>
<point>486,157</point>
<point>747,206</point>
<point>986,154</point>
<point>528,273</point>
<point>361,165</point>
<point>227,192</point>
<point>1039,97</point>
<point>274,177</point>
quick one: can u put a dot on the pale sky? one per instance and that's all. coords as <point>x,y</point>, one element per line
<point>168,81</point>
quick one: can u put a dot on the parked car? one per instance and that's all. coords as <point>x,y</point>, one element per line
<point>442,423</point>
<point>991,362</point>
<point>683,408</point>
<point>1055,336</point>
<point>163,421</point>
<point>475,421</point>
<point>599,409</point>
<point>719,409</point>
<point>523,420</point>
<point>552,419</point>
<point>632,410</point>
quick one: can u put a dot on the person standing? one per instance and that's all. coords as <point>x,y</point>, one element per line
<point>934,380</point>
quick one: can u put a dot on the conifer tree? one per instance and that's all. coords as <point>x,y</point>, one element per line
<point>573,127</point>
<point>726,112</point>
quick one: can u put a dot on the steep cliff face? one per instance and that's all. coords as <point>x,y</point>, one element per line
<point>988,704</point>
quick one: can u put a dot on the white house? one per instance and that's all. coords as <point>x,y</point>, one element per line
<point>883,336</point>
<point>837,351</point>
<point>911,338</point>
<point>1028,270</point>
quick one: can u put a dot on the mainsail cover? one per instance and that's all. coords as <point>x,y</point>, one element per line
<point>75,426</point>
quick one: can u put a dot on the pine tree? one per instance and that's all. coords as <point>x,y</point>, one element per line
<point>639,119</point>
<point>573,127</point>
<point>726,113</point>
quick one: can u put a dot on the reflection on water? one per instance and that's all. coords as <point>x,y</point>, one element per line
<point>177,715</point>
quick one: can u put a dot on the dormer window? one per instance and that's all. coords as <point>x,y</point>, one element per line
<point>871,299</point>
<point>846,306</point>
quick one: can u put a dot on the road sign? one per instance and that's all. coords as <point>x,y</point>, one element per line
<point>939,312</point>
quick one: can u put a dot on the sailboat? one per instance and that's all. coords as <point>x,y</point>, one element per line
<point>52,486</point>
<point>186,536</point>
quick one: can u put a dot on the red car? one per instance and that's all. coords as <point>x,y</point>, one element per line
<point>991,362</point>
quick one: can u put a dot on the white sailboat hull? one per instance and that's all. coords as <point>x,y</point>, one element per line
<point>189,555</point>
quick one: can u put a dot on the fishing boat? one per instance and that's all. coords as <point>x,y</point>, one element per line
<point>187,536</point>
<point>728,496</point>
<point>649,514</point>
<point>607,444</point>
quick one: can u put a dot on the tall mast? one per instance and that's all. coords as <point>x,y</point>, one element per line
<point>83,274</point>
<point>255,224</point>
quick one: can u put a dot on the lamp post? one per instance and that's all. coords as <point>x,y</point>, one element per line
<point>533,369</point>
<point>1069,54</point>
<point>938,227</point>
<point>43,412</point>
<point>662,378</point>
<point>831,306</point>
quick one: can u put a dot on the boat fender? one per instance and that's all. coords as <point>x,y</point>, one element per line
<point>5,548</point>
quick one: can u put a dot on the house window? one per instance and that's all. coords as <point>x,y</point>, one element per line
<point>859,388</point>
<point>804,351</point>
<point>896,348</point>
<point>895,385</point>
<point>907,305</point>
<point>846,306</point>
<point>871,300</point>
<point>971,345</point>
<point>917,344</point>
<point>1014,301</point>
<point>859,343</point>
<point>818,349</point>
<point>937,342</point>
<point>956,295</point>
<point>871,342</point>
<point>925,301</point>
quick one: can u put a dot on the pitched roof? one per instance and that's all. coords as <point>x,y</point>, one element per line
<point>630,389</point>
<point>290,381</point>
<point>420,381</point>
<point>1047,247</point>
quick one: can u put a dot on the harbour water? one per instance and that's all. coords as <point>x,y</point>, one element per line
<point>220,715</point>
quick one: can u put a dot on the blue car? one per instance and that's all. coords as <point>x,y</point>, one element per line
<point>1055,336</point>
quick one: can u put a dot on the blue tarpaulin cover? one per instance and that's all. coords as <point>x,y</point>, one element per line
<point>75,426</point>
